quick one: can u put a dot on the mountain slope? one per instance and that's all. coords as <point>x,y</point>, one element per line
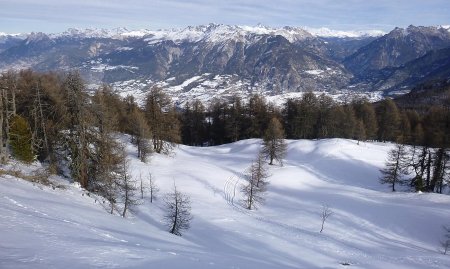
<point>434,65</point>
<point>215,60</point>
<point>370,227</point>
<point>396,48</point>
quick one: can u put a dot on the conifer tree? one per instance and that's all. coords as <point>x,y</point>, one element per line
<point>20,139</point>
<point>307,116</point>
<point>141,134</point>
<point>395,167</point>
<point>256,183</point>
<point>127,187</point>
<point>235,120</point>
<point>163,121</point>
<point>360,131</point>
<point>77,119</point>
<point>388,120</point>
<point>274,146</point>
<point>178,211</point>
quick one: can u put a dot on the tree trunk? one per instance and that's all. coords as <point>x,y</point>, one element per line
<point>175,221</point>
<point>428,167</point>
<point>3,156</point>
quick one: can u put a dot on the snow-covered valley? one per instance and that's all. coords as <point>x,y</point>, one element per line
<point>370,227</point>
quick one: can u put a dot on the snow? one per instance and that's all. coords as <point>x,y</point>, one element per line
<point>371,227</point>
<point>447,27</point>
<point>314,72</point>
<point>326,32</point>
<point>2,34</point>
<point>207,88</point>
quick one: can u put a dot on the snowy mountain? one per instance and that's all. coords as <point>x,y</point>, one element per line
<point>279,62</point>
<point>370,227</point>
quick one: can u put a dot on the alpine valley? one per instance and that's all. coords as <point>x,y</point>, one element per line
<point>209,61</point>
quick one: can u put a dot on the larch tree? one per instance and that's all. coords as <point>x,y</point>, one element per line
<point>388,120</point>
<point>308,112</point>
<point>395,167</point>
<point>256,183</point>
<point>152,187</point>
<point>76,141</point>
<point>20,139</point>
<point>366,113</point>
<point>360,131</point>
<point>163,121</point>
<point>141,134</point>
<point>178,211</point>
<point>257,115</point>
<point>274,146</point>
<point>234,123</point>
<point>8,86</point>
<point>106,158</point>
<point>127,187</point>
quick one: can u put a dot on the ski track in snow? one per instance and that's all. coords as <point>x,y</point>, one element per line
<point>370,226</point>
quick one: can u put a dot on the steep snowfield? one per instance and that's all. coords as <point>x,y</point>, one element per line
<point>370,227</point>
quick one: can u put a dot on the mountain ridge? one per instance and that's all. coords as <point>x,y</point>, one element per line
<point>273,61</point>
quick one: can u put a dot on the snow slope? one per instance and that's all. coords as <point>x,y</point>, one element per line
<point>370,227</point>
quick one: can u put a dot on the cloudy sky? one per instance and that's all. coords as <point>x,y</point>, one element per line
<point>58,15</point>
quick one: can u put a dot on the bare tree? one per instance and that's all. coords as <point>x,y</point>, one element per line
<point>142,188</point>
<point>396,165</point>
<point>256,177</point>
<point>163,121</point>
<point>178,215</point>
<point>326,212</point>
<point>274,146</point>
<point>128,188</point>
<point>39,135</point>
<point>77,138</point>
<point>141,134</point>
<point>8,86</point>
<point>153,188</point>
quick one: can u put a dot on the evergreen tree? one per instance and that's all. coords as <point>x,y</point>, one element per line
<point>20,139</point>
<point>274,146</point>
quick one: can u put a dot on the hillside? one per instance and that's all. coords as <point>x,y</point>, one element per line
<point>371,227</point>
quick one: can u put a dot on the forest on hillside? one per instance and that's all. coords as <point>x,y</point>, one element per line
<point>52,118</point>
